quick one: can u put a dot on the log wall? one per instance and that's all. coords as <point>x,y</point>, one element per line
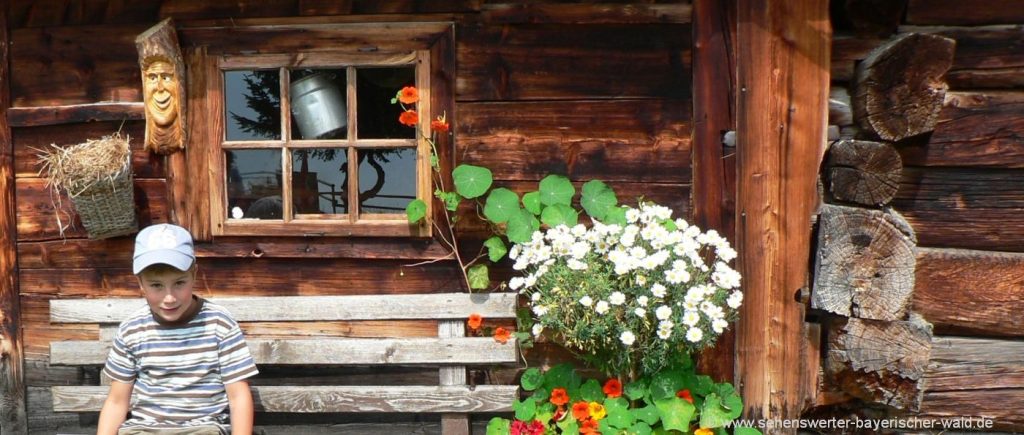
<point>960,190</point>
<point>590,90</point>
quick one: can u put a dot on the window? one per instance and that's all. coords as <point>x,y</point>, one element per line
<point>310,144</point>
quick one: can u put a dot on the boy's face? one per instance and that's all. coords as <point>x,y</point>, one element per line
<point>168,291</point>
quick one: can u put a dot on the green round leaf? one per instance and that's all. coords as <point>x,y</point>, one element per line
<point>636,390</point>
<point>531,379</point>
<point>640,428</point>
<point>416,210</point>
<point>675,413</point>
<point>591,391</point>
<point>478,277</point>
<point>618,413</point>
<point>471,181</point>
<point>664,385</point>
<point>615,216</point>
<point>559,214</point>
<point>501,203</point>
<point>531,201</point>
<point>451,199</point>
<point>563,376</point>
<point>525,410</point>
<point>597,199</point>
<point>741,430</point>
<point>498,426</point>
<point>521,226</point>
<point>495,249</point>
<point>569,425</point>
<point>556,189</point>
<point>648,414</point>
<point>712,414</point>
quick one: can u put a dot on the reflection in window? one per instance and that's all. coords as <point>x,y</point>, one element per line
<point>319,180</point>
<point>252,105</point>
<point>378,118</point>
<point>317,100</point>
<point>254,184</point>
<point>387,179</point>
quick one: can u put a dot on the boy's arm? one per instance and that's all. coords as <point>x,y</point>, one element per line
<point>115,408</point>
<point>240,403</point>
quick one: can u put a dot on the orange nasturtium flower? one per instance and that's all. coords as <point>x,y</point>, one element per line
<point>597,410</point>
<point>685,395</point>
<point>408,95</point>
<point>474,322</point>
<point>439,125</point>
<point>559,397</point>
<point>703,431</point>
<point>501,335</point>
<point>409,118</point>
<point>613,388</point>
<point>581,411</point>
<point>589,427</point>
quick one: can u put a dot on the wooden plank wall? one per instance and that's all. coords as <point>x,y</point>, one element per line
<point>591,90</point>
<point>962,190</point>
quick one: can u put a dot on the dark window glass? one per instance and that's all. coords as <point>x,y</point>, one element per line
<point>252,105</point>
<point>387,179</point>
<point>254,184</point>
<point>320,180</point>
<point>378,118</point>
<point>318,104</point>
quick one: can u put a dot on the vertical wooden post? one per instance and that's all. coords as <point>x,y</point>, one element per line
<point>714,170</point>
<point>783,50</point>
<point>12,377</point>
<point>453,424</point>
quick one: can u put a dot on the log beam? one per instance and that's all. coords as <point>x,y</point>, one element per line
<point>782,109</point>
<point>863,172</point>
<point>12,378</point>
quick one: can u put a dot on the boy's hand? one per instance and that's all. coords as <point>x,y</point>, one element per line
<point>240,402</point>
<point>115,408</point>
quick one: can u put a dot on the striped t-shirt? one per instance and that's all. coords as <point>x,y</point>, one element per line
<point>180,369</point>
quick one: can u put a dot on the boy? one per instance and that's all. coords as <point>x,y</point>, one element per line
<point>185,357</point>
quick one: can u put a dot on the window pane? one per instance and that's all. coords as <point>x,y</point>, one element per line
<point>252,105</point>
<point>318,105</point>
<point>378,118</point>
<point>320,180</point>
<point>254,184</point>
<point>387,179</point>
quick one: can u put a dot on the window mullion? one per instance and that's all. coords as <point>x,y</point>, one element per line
<point>353,153</point>
<point>286,136</point>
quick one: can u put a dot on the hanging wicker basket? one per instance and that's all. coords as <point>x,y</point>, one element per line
<point>97,176</point>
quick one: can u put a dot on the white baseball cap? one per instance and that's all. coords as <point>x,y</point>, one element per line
<point>163,244</point>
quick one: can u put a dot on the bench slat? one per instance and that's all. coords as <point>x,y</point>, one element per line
<point>308,308</point>
<point>340,351</point>
<point>307,399</point>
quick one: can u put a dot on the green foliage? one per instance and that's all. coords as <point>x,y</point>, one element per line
<point>675,413</point>
<point>478,275</point>
<point>597,199</point>
<point>496,248</point>
<point>451,199</point>
<point>521,226</point>
<point>559,214</point>
<point>531,201</point>
<point>501,204</point>
<point>556,189</point>
<point>471,181</point>
<point>531,379</point>
<point>416,210</point>
<point>498,426</point>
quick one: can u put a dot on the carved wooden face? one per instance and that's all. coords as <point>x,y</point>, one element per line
<point>161,93</point>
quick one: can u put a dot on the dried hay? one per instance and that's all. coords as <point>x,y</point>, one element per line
<point>77,168</point>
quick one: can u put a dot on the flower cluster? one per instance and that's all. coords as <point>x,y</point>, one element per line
<point>408,96</point>
<point>476,328</point>
<point>629,298</point>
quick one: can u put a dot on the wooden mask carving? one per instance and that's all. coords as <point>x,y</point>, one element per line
<point>163,85</point>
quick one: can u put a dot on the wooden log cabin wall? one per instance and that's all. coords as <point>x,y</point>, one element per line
<point>589,90</point>
<point>936,161</point>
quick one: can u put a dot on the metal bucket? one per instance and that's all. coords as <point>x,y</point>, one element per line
<point>318,106</point>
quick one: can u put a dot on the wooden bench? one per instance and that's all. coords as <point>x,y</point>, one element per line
<point>450,351</point>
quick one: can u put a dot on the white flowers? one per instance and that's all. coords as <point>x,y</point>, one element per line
<point>665,329</point>
<point>691,318</point>
<point>658,290</point>
<point>640,312</point>
<point>601,307</point>
<point>694,335</point>
<point>537,329</point>
<point>735,300</point>
<point>586,301</point>
<point>627,338</point>
<point>663,312</point>
<point>617,298</point>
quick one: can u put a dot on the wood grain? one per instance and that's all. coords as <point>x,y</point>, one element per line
<point>75,113</point>
<point>970,292</point>
<point>953,12</point>
<point>306,399</point>
<point>549,62</point>
<point>339,37</point>
<point>27,140</point>
<point>309,308</point>
<point>782,109</point>
<point>985,57</point>
<point>974,129</point>
<point>975,377</point>
<point>634,140</point>
<point>333,351</point>
<point>583,13</point>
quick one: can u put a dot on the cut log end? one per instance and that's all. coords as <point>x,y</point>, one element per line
<point>863,172</point>
<point>880,362</point>
<point>864,264</point>
<point>899,87</point>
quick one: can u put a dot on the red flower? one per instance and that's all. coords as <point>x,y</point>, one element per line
<point>559,413</point>
<point>501,335</point>
<point>613,388</point>
<point>581,410</point>
<point>518,428</point>
<point>409,118</point>
<point>536,428</point>
<point>439,125</point>
<point>589,427</point>
<point>559,397</point>
<point>685,395</point>
<point>408,95</point>
<point>474,321</point>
